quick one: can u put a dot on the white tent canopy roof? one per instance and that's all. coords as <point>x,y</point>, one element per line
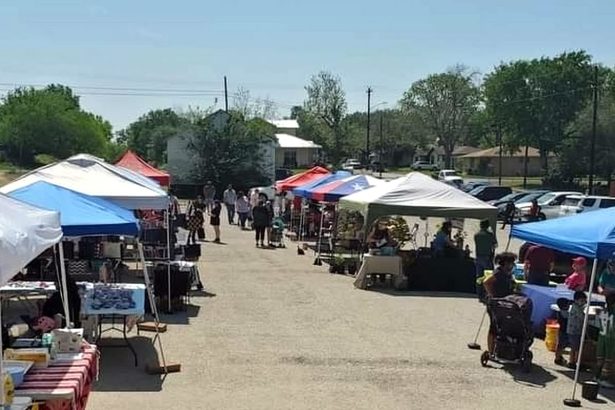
<point>418,195</point>
<point>25,232</point>
<point>92,176</point>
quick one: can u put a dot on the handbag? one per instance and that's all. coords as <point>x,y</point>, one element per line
<point>201,233</point>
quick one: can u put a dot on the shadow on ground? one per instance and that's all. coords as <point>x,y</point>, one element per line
<point>181,317</point>
<point>118,372</point>
<point>416,293</point>
<point>608,394</point>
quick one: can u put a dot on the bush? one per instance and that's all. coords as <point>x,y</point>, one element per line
<point>44,159</point>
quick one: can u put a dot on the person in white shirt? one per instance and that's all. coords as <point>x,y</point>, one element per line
<point>230,197</point>
<point>243,209</point>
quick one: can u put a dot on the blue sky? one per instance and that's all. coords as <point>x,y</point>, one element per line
<point>272,47</point>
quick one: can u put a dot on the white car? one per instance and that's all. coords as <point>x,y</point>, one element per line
<point>424,166</point>
<point>549,205</point>
<point>351,164</point>
<point>450,176</point>
<point>576,204</point>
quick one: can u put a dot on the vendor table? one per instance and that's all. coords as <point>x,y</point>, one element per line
<point>65,383</point>
<point>22,290</point>
<point>375,264</point>
<point>543,297</point>
<point>138,296</point>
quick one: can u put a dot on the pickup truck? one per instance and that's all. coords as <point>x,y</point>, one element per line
<point>450,176</point>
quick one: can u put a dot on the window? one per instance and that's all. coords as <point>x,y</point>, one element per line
<point>572,201</point>
<point>559,200</point>
<point>607,203</point>
<point>290,159</point>
<point>589,202</point>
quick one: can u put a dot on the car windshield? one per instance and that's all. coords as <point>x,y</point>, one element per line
<point>449,173</point>
<point>530,196</point>
<point>476,190</point>
<point>512,197</point>
<point>545,199</point>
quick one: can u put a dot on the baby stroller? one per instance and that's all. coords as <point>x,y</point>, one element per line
<point>277,233</point>
<point>512,325</point>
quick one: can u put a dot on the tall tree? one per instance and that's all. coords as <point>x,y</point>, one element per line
<point>536,100</point>
<point>250,107</point>
<point>445,103</point>
<point>148,135</point>
<point>229,152</point>
<point>324,110</point>
<point>49,121</point>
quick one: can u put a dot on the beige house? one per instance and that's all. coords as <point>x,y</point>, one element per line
<point>295,152</point>
<point>486,162</point>
<point>435,155</point>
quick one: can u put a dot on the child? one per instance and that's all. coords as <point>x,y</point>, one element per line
<point>605,353</point>
<point>578,278</point>
<point>576,316</point>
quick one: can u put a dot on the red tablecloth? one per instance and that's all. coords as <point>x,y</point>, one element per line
<point>64,384</point>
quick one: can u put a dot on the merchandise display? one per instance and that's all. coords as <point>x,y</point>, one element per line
<point>111,296</point>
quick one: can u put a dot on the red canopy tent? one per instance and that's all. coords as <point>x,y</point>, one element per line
<point>300,179</point>
<point>135,163</point>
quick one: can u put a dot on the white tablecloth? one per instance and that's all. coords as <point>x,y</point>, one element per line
<point>375,264</point>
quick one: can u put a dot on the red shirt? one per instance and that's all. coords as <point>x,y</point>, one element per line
<point>576,281</point>
<point>540,260</point>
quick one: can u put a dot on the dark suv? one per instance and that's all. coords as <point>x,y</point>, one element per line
<point>490,192</point>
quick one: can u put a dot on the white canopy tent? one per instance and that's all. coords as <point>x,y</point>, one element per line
<point>25,232</point>
<point>92,176</point>
<point>417,195</point>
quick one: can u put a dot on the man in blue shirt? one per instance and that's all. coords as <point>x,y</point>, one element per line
<point>443,241</point>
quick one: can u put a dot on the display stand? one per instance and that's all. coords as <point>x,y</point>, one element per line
<point>152,302</point>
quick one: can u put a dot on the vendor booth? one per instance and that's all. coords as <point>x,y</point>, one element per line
<point>333,191</point>
<point>589,234</point>
<point>132,161</point>
<point>300,179</point>
<point>419,195</point>
<point>26,232</point>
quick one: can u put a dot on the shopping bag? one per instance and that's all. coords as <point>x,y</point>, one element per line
<point>201,233</point>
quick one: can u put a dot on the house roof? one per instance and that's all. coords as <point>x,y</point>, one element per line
<point>439,150</point>
<point>495,152</point>
<point>284,123</point>
<point>290,141</point>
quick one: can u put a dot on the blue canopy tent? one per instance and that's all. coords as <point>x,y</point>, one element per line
<point>591,234</point>
<point>80,214</point>
<point>304,190</point>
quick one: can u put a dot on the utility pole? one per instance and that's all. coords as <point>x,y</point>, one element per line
<point>225,95</point>
<point>592,152</point>
<point>369,102</point>
<point>380,165</point>
<point>498,130</point>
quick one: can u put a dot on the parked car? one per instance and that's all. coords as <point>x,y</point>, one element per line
<point>513,196</point>
<point>549,205</point>
<point>490,192</point>
<point>450,176</point>
<point>352,164</point>
<point>576,204</point>
<point>469,186</point>
<point>424,166</point>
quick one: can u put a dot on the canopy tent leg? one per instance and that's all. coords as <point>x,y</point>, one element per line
<point>572,401</point>
<point>152,302</point>
<point>168,223</point>
<point>300,236</point>
<point>317,261</point>
<point>64,285</point>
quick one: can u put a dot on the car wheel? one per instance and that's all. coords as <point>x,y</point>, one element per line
<point>542,217</point>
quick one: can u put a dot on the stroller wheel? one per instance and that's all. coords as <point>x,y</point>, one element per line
<point>484,358</point>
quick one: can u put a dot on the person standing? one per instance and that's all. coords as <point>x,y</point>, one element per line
<point>509,214</point>
<point>230,198</point>
<point>194,214</point>
<point>243,209</point>
<point>209,194</point>
<point>485,244</point>
<point>260,219</point>
<point>214,219</point>
<point>539,262</point>
<point>270,214</point>
<point>606,282</point>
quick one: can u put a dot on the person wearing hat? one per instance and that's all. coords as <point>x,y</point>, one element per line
<point>577,280</point>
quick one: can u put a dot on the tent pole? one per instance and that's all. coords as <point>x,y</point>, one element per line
<point>1,367</point>
<point>583,332</point>
<point>168,223</point>
<point>64,285</point>
<point>300,237</point>
<point>152,303</point>
<point>322,218</point>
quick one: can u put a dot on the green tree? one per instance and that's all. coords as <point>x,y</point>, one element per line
<point>324,110</point>
<point>148,135</point>
<point>536,100</point>
<point>445,104</point>
<point>49,121</point>
<point>232,152</point>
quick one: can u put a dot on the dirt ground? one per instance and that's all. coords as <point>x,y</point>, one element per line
<point>273,331</point>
